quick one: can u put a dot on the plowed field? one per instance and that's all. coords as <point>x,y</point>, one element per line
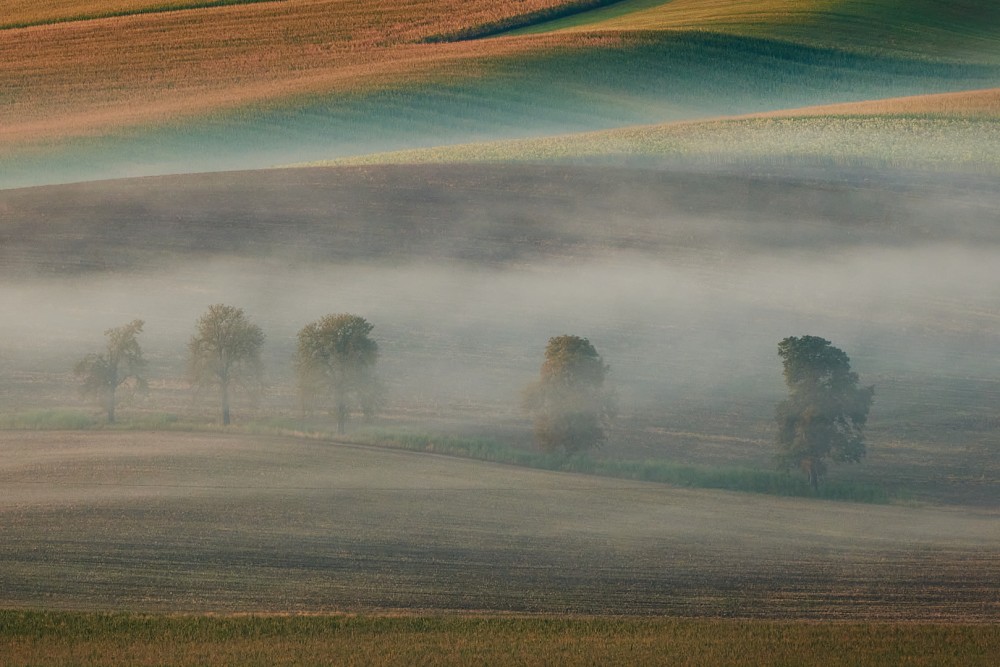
<point>194,522</point>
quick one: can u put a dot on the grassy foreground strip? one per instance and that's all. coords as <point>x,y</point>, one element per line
<point>61,638</point>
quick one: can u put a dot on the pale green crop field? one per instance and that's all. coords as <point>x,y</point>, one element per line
<point>918,28</point>
<point>959,131</point>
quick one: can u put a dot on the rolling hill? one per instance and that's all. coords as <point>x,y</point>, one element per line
<point>223,523</point>
<point>955,131</point>
<point>174,91</point>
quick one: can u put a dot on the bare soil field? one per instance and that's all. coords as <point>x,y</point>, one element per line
<point>224,523</point>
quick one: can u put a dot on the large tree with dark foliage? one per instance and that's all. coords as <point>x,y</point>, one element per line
<point>224,354</point>
<point>335,359</point>
<point>826,411</point>
<point>569,404</point>
<point>121,366</point>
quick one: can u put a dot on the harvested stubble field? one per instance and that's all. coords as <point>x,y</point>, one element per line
<point>227,523</point>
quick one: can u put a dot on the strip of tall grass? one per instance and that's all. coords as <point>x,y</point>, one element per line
<point>48,420</point>
<point>59,638</point>
<point>78,420</point>
<point>726,478</point>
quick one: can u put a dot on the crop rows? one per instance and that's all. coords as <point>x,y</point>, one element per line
<point>168,522</point>
<point>322,79</point>
<point>922,28</point>
<point>938,131</point>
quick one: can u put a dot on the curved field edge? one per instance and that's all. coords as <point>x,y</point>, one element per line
<point>519,21</point>
<point>747,480</point>
<point>229,523</point>
<point>37,15</point>
<point>43,638</point>
<point>561,87</point>
<point>932,131</point>
<point>920,28</point>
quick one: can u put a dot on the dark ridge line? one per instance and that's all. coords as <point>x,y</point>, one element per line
<point>155,9</point>
<point>520,21</point>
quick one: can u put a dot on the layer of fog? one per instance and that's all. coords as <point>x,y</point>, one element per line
<point>452,336</point>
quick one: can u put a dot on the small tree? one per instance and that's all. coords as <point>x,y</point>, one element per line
<point>826,411</point>
<point>336,358</point>
<point>121,366</point>
<point>568,403</point>
<point>224,354</point>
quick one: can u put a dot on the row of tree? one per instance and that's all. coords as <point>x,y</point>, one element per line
<point>570,406</point>
<point>823,417</point>
<point>335,361</point>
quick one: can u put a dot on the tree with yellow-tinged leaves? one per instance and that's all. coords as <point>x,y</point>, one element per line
<point>569,405</point>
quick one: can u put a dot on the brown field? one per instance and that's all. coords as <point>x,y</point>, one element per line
<point>107,77</point>
<point>228,523</point>
<point>72,79</point>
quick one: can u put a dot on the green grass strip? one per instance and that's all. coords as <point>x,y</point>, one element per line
<point>770,482</point>
<point>61,638</point>
<point>155,9</point>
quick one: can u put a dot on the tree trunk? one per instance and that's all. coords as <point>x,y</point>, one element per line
<point>813,478</point>
<point>341,418</point>
<point>225,404</point>
<point>111,408</point>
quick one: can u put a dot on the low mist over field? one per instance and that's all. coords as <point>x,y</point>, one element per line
<point>684,282</point>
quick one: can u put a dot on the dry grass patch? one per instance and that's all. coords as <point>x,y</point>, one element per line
<point>124,639</point>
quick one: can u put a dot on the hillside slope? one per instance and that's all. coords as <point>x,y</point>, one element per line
<point>168,522</point>
<point>954,131</point>
<point>960,30</point>
<point>310,79</point>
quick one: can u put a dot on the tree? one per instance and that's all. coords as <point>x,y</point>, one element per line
<point>121,366</point>
<point>825,413</point>
<point>224,353</point>
<point>336,357</point>
<point>568,404</point>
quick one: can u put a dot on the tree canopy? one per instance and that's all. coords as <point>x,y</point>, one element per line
<point>336,358</point>
<point>826,411</point>
<point>568,404</point>
<point>224,353</point>
<point>121,365</point>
